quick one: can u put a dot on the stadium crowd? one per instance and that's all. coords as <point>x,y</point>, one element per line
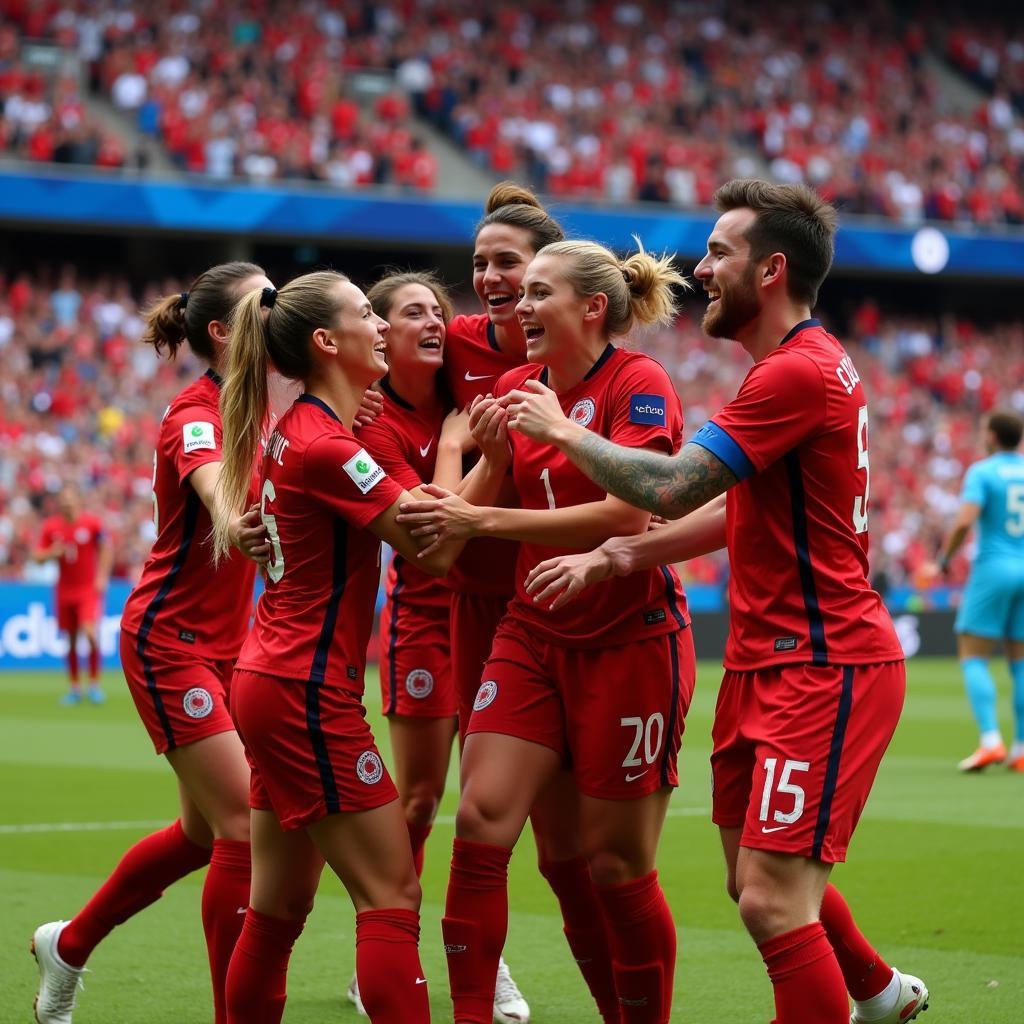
<point>684,98</point>
<point>81,396</point>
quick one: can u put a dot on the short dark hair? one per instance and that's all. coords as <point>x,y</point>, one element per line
<point>1007,427</point>
<point>791,219</point>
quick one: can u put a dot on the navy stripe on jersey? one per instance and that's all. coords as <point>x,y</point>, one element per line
<point>316,737</point>
<point>188,531</point>
<point>670,595</point>
<point>804,325</point>
<point>320,404</point>
<point>215,377</point>
<point>492,336</point>
<point>609,351</point>
<point>815,623</point>
<point>393,637</point>
<point>385,386</point>
<point>835,754</point>
<point>718,441</point>
<point>672,639</point>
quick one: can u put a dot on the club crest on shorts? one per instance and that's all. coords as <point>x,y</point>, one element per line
<point>583,412</point>
<point>419,683</point>
<point>369,767</point>
<point>485,695</point>
<point>197,702</point>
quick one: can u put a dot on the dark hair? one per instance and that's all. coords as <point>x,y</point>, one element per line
<point>791,219</point>
<point>1008,428</point>
<point>516,206</point>
<point>382,294</point>
<point>265,333</point>
<point>172,320</point>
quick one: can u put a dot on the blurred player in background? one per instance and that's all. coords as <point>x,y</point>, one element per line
<point>77,540</point>
<point>992,607</point>
<point>599,690</point>
<point>182,628</point>
<point>815,679</point>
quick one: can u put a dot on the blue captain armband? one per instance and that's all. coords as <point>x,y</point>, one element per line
<point>723,447</point>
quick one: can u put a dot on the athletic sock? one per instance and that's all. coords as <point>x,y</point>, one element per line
<point>981,692</point>
<point>584,929</point>
<point>225,900</point>
<point>94,663</point>
<point>1017,675</point>
<point>806,977</point>
<point>257,980</point>
<point>642,937</point>
<point>139,879</point>
<point>864,971</point>
<point>474,926</point>
<point>418,838</point>
<point>391,982</point>
<point>73,665</point>
<point>882,1004</point>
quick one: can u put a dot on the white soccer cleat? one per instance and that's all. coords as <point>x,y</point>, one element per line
<point>912,1000</point>
<point>509,1005</point>
<point>353,996</point>
<point>58,981</point>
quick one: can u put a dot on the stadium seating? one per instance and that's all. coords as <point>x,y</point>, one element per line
<point>88,396</point>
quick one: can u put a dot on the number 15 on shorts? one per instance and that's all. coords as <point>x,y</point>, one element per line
<point>783,788</point>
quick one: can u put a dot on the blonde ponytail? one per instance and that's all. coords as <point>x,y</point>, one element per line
<point>650,280</point>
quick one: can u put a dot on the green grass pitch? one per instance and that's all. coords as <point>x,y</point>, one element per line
<point>936,877</point>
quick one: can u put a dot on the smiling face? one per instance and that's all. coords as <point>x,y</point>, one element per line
<point>550,312</point>
<point>727,276</point>
<point>358,333</point>
<point>416,338</point>
<point>500,257</point>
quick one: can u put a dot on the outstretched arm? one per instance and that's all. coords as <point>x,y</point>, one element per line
<point>669,485</point>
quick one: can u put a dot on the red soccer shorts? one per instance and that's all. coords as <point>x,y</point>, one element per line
<point>309,748</point>
<point>415,664</point>
<point>474,621</point>
<point>77,610</point>
<point>796,749</point>
<point>181,697</point>
<point>614,714</point>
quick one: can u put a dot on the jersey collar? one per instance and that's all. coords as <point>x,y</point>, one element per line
<point>492,336</point>
<point>313,400</point>
<point>804,325</point>
<point>215,377</point>
<point>385,386</point>
<point>609,351</point>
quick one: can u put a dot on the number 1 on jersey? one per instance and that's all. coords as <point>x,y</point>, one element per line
<point>545,476</point>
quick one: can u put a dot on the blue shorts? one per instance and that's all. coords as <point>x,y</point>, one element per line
<point>993,601</point>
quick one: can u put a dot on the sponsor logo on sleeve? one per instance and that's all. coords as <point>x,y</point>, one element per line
<point>485,695</point>
<point>648,409</point>
<point>197,435</point>
<point>419,683</point>
<point>197,702</point>
<point>369,767</point>
<point>583,412</point>
<point>364,472</point>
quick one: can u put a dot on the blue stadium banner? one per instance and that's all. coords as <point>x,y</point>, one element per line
<point>310,213</point>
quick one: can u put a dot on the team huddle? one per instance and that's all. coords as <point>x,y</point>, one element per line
<point>531,476</point>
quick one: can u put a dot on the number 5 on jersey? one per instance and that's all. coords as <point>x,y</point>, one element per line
<point>275,567</point>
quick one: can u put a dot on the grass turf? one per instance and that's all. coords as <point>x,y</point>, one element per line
<point>935,877</point>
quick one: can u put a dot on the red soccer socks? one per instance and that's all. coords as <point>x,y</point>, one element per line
<point>225,900</point>
<point>864,971</point>
<point>571,883</point>
<point>642,937</point>
<point>808,984</point>
<point>391,981</point>
<point>140,878</point>
<point>256,987</point>
<point>474,927</point>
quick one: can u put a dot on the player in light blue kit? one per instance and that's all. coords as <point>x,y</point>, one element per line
<point>992,608</point>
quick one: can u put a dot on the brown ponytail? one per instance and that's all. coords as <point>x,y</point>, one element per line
<point>516,206</point>
<point>186,316</point>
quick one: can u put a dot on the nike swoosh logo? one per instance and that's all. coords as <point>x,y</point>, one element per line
<point>241,910</point>
<point>421,981</point>
<point>478,376</point>
<point>633,778</point>
<point>426,448</point>
<point>778,828</point>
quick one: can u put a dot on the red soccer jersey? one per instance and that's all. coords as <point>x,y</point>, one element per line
<point>796,435</point>
<point>628,398</point>
<point>181,601</point>
<point>473,363</point>
<point>320,489</point>
<point>79,540</point>
<point>404,443</point>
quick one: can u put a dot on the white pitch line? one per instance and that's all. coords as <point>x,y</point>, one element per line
<point>79,826</point>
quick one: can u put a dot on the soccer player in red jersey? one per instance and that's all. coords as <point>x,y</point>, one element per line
<point>77,540</point>
<point>181,630</point>
<point>814,680</point>
<point>602,690</point>
<point>319,790</point>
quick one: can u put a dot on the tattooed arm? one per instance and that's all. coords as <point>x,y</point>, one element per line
<point>669,485</point>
